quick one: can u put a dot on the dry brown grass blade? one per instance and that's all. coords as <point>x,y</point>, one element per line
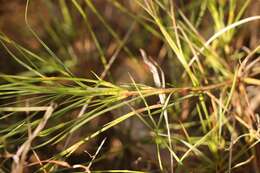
<point>21,154</point>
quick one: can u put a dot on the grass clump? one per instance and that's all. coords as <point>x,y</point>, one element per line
<point>131,86</point>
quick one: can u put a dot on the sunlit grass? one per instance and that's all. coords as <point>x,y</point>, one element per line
<point>203,119</point>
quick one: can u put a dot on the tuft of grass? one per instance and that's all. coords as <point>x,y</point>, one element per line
<point>196,110</point>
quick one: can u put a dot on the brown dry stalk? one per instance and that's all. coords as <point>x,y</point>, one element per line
<point>152,91</point>
<point>174,90</point>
